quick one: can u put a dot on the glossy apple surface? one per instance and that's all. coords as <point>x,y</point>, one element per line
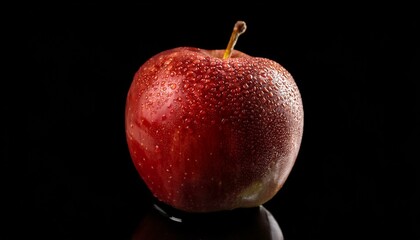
<point>209,134</point>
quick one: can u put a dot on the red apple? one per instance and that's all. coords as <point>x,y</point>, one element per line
<point>213,130</point>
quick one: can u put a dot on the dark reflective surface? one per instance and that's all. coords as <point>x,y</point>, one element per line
<point>163,222</point>
<point>66,170</point>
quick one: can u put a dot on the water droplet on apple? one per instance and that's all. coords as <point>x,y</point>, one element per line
<point>190,74</point>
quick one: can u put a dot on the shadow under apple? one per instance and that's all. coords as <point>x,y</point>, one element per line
<point>164,222</point>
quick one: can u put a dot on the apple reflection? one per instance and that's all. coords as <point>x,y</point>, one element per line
<point>163,222</point>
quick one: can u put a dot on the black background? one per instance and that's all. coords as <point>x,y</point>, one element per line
<point>67,170</point>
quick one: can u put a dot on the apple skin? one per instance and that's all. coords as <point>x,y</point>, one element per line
<point>209,134</point>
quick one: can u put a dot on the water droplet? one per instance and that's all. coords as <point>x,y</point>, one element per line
<point>190,74</point>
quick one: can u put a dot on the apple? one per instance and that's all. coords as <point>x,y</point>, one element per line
<point>213,130</point>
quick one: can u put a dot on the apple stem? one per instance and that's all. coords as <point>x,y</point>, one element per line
<point>238,29</point>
